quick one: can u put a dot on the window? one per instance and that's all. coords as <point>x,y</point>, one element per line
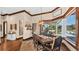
<point>54,27</point>
<point>49,29</point>
<point>59,26</point>
<point>70,32</point>
<point>59,29</point>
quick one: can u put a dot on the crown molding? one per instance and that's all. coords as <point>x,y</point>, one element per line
<point>30,13</point>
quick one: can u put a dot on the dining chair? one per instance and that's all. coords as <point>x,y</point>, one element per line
<point>55,46</point>
<point>37,44</point>
<point>35,40</point>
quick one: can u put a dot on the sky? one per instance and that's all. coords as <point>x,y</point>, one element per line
<point>71,19</point>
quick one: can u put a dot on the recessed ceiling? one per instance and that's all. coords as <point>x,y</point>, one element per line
<point>32,10</point>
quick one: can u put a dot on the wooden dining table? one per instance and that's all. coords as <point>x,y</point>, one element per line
<point>44,40</point>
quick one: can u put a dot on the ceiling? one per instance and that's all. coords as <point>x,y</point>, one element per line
<point>31,10</point>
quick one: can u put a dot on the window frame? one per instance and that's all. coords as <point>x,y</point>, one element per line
<point>74,44</point>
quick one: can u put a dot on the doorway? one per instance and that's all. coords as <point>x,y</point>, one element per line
<point>4,28</point>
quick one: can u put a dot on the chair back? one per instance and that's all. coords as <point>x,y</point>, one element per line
<point>57,43</point>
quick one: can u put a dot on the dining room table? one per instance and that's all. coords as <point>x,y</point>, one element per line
<point>45,40</point>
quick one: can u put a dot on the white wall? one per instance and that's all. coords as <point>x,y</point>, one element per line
<point>27,20</point>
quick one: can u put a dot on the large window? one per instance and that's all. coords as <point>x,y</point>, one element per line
<point>49,29</point>
<point>59,27</point>
<point>55,28</point>
<point>71,34</point>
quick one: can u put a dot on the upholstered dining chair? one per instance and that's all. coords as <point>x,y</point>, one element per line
<point>35,40</point>
<point>55,46</point>
<point>57,43</point>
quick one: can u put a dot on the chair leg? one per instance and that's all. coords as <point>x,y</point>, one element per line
<point>36,45</point>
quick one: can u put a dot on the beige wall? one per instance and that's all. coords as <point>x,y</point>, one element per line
<point>36,19</point>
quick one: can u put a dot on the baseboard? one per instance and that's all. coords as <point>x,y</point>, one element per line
<point>19,38</point>
<point>28,38</point>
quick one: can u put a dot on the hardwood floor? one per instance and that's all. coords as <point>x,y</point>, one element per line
<point>27,46</point>
<point>8,45</point>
